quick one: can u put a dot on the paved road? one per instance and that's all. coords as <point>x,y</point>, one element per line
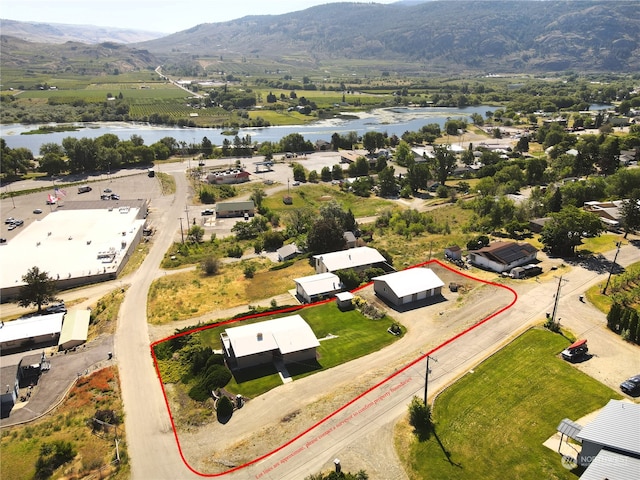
<point>361,434</point>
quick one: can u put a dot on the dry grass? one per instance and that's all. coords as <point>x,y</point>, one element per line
<point>191,293</point>
<point>20,446</point>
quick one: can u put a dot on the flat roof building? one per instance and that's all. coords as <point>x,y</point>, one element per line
<point>75,246</point>
<point>31,331</point>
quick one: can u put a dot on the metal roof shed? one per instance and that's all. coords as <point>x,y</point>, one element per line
<point>75,329</point>
<point>408,285</point>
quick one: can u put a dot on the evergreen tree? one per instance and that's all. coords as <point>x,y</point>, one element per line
<point>613,317</point>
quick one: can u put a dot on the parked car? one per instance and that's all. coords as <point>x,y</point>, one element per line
<point>3,240</point>
<point>115,196</point>
<point>207,211</point>
<point>56,308</point>
<point>107,190</point>
<point>37,211</point>
<point>18,223</point>
<point>576,351</point>
<point>631,386</point>
<point>9,220</point>
<point>105,196</point>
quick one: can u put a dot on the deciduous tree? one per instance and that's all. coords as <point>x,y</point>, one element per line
<point>39,289</point>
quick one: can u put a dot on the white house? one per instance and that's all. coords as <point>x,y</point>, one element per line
<point>315,287</point>
<point>359,258</point>
<point>288,339</point>
<point>503,256</point>
<point>407,286</point>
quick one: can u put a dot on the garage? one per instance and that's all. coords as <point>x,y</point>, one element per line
<point>408,286</point>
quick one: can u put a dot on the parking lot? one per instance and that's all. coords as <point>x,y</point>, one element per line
<point>124,184</point>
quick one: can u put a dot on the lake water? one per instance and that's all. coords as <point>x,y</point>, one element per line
<point>394,120</point>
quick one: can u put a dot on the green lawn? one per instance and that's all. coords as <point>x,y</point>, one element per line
<point>356,336</point>
<point>492,422</point>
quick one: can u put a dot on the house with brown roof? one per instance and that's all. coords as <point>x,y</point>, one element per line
<point>503,256</point>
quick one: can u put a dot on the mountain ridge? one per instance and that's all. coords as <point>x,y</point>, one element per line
<point>434,37</point>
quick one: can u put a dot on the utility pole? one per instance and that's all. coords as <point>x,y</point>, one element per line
<point>555,303</point>
<point>186,209</point>
<point>181,231</point>
<point>604,291</point>
<point>426,378</point>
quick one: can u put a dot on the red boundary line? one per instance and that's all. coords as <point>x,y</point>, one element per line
<point>320,422</point>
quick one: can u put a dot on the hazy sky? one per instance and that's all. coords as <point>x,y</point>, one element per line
<point>152,15</point>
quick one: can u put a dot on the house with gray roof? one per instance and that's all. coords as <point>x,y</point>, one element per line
<point>288,340</point>
<point>316,287</point>
<point>358,259</point>
<point>615,432</point>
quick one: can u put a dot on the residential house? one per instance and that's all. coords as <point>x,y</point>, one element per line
<point>611,442</point>
<point>358,259</point>
<point>503,256</point>
<point>287,340</point>
<point>317,287</point>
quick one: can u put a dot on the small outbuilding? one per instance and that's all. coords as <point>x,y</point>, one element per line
<point>407,286</point>
<point>288,340</point>
<point>453,252</point>
<point>344,300</point>
<point>75,329</point>
<point>10,389</point>
<point>287,252</point>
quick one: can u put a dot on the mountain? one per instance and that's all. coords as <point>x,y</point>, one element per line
<point>61,33</point>
<point>72,57</point>
<point>440,36</point>
<point>445,37</point>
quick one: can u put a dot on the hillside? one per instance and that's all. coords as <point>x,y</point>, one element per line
<point>428,38</point>
<point>72,57</point>
<point>441,36</point>
<point>62,33</point>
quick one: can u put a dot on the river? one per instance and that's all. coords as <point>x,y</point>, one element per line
<point>396,120</point>
<point>392,120</point>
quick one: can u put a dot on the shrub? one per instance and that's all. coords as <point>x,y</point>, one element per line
<point>235,251</point>
<point>216,376</point>
<point>420,418</point>
<point>224,408</point>
<point>210,266</point>
<point>249,270</point>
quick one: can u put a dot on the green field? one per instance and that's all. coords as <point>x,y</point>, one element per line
<point>356,336</point>
<point>492,422</point>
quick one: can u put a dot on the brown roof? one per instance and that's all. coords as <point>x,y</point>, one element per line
<point>506,252</point>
